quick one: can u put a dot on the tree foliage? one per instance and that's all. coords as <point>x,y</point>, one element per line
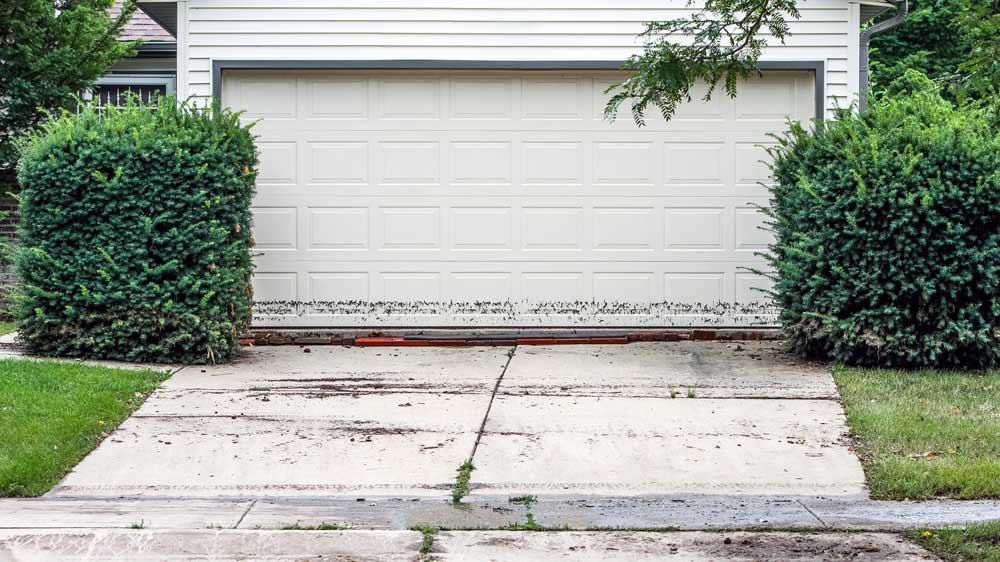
<point>979,25</point>
<point>926,41</point>
<point>723,42</point>
<point>50,51</point>
<point>952,41</point>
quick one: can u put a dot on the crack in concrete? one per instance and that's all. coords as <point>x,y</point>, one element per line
<point>245,512</point>
<point>813,513</point>
<point>489,406</point>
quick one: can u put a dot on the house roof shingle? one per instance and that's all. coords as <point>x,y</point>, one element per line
<point>141,26</point>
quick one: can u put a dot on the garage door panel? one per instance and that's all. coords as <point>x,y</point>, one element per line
<point>489,228</point>
<point>337,162</point>
<point>753,233</point>
<point>623,127</point>
<point>481,163</point>
<point>475,286</point>
<point>631,229</point>
<point>408,99</point>
<point>505,199</point>
<point>338,228</point>
<point>554,98</point>
<point>481,98</point>
<point>625,163</point>
<point>335,98</point>
<point>690,165</point>
<point>275,228</point>
<point>597,228</point>
<point>278,162</point>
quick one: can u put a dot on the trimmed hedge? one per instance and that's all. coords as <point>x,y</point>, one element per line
<point>887,227</point>
<point>135,234</point>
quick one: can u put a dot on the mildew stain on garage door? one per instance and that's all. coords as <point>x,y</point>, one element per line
<point>483,313</point>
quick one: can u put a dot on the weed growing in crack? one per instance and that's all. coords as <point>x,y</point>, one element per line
<point>461,487</point>
<point>140,524</point>
<point>427,544</point>
<point>690,393</point>
<point>530,524</point>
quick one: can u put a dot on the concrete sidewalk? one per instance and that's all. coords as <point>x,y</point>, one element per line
<point>409,546</point>
<point>654,418</point>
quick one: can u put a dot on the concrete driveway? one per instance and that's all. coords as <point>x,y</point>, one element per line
<point>642,419</point>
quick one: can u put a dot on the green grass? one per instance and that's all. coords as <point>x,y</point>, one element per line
<point>6,327</point>
<point>53,413</point>
<point>977,543</point>
<point>925,434</point>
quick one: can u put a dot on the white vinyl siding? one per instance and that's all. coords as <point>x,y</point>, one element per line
<point>541,30</point>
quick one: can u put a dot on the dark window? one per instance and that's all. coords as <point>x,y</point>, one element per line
<point>117,94</point>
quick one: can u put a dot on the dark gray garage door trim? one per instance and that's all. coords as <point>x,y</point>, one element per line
<point>218,66</point>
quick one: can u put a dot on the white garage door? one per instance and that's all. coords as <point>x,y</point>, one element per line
<point>505,199</point>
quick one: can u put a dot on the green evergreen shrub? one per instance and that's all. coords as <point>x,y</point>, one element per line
<point>887,225</point>
<point>135,234</point>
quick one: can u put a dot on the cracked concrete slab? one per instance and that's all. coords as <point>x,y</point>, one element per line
<point>351,369</point>
<point>279,421</point>
<point>507,546</point>
<point>393,444</point>
<point>890,515</point>
<point>631,446</point>
<point>747,369</point>
<point>217,546</point>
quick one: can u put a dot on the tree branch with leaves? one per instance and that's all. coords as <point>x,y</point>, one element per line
<point>978,23</point>
<point>720,44</point>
